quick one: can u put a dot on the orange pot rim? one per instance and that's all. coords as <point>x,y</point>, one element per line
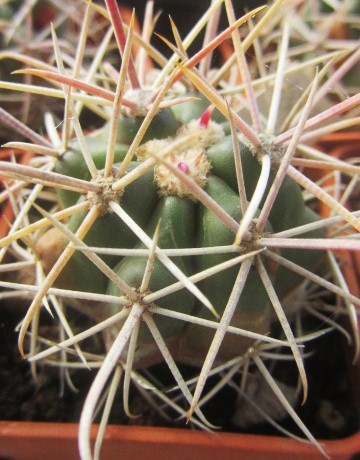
<point>341,137</point>
<point>7,214</point>
<point>33,439</point>
<point>345,151</point>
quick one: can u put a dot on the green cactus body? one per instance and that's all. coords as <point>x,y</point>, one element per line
<point>289,210</point>
<point>213,232</point>
<point>252,311</point>
<point>186,223</point>
<point>72,163</point>
<point>177,220</point>
<point>109,228</point>
<point>163,124</point>
<point>192,110</point>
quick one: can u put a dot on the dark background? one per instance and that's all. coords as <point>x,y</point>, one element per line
<point>185,13</point>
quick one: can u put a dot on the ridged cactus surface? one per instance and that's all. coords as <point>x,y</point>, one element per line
<point>201,149</point>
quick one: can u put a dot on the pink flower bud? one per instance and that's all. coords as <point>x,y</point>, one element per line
<point>183,167</point>
<point>205,117</point>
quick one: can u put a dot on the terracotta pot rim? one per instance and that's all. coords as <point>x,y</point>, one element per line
<point>341,137</point>
<point>152,440</point>
<point>7,214</point>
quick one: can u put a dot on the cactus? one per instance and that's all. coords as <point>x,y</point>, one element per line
<point>180,228</point>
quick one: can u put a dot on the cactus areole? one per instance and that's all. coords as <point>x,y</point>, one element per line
<point>178,150</point>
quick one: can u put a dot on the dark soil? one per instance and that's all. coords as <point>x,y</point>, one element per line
<point>329,413</point>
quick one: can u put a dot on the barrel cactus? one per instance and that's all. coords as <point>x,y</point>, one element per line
<point>174,225</point>
<point>201,152</point>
